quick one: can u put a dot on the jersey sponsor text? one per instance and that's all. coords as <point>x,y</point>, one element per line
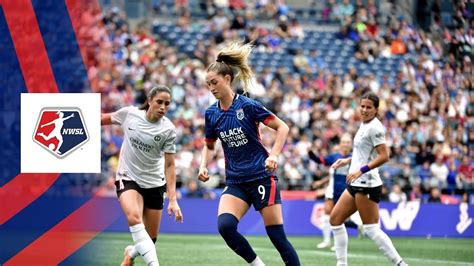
<point>234,137</point>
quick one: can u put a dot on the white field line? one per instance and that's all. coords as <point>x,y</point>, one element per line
<point>354,255</point>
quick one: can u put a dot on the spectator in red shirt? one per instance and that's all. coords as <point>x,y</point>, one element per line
<point>465,171</point>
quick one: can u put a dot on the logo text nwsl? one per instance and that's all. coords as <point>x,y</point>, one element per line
<point>73,131</point>
<point>60,130</point>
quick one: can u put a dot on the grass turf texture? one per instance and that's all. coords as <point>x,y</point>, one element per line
<point>195,250</point>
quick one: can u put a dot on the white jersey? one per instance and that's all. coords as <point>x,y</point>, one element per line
<point>143,148</point>
<point>369,136</point>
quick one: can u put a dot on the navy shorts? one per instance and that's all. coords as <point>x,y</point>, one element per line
<point>374,193</point>
<point>261,193</point>
<point>336,197</point>
<point>153,198</point>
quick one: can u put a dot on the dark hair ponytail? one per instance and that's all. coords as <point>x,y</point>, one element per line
<point>154,91</point>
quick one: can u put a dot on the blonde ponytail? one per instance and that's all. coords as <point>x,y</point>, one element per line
<point>235,55</point>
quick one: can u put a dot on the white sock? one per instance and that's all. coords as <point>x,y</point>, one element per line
<point>326,229</point>
<point>383,242</point>
<point>133,252</point>
<point>340,244</point>
<point>144,245</point>
<point>257,262</point>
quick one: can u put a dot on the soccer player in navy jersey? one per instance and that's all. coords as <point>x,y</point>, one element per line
<point>336,186</point>
<point>250,179</point>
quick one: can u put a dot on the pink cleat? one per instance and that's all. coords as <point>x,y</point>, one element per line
<point>127,259</point>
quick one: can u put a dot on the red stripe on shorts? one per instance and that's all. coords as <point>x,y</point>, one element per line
<point>271,199</point>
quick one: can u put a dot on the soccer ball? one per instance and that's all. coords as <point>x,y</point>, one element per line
<point>51,146</point>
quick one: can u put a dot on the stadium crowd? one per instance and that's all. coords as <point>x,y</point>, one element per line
<point>427,106</point>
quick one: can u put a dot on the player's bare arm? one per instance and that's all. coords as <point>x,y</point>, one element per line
<point>206,156</point>
<point>170,175</point>
<point>382,157</point>
<point>320,183</point>
<point>271,163</point>
<point>341,162</point>
<point>106,119</point>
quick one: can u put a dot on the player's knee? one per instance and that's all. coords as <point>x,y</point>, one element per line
<point>276,233</point>
<point>227,224</point>
<point>334,220</point>
<point>371,229</point>
<point>134,218</point>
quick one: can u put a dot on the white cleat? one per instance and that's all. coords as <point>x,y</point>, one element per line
<point>257,262</point>
<point>324,245</point>
<point>333,248</point>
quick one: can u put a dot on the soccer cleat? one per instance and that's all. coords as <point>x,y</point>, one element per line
<point>257,262</point>
<point>324,245</point>
<point>402,263</point>
<point>333,248</point>
<point>127,259</point>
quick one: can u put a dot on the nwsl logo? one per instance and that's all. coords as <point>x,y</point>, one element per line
<point>60,130</point>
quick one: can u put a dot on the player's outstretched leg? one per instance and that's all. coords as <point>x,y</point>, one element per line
<point>384,243</point>
<point>144,245</point>
<point>326,229</point>
<point>340,243</point>
<point>277,235</point>
<point>130,253</point>
<point>227,225</point>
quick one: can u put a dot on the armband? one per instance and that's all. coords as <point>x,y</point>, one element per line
<point>364,169</point>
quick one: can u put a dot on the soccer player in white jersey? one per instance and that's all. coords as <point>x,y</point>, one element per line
<point>364,185</point>
<point>146,171</point>
<point>250,178</point>
<point>336,186</point>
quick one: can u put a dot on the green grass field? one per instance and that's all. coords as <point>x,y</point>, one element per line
<point>182,250</point>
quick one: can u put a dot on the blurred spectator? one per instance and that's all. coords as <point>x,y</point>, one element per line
<point>425,86</point>
<point>343,10</point>
<point>398,47</point>
<point>416,194</point>
<point>439,172</point>
<point>466,172</point>
<point>192,190</point>
<point>435,195</point>
<point>300,61</point>
<point>282,29</point>
<point>397,195</point>
<point>295,30</point>
<point>424,174</point>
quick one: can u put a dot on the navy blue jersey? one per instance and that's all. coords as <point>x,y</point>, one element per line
<point>340,174</point>
<point>237,128</point>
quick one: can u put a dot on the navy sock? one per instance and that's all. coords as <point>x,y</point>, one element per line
<point>227,225</point>
<point>279,240</point>
<point>350,224</point>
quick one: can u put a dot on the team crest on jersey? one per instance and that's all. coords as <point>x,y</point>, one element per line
<point>157,138</point>
<point>60,130</point>
<point>240,114</point>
